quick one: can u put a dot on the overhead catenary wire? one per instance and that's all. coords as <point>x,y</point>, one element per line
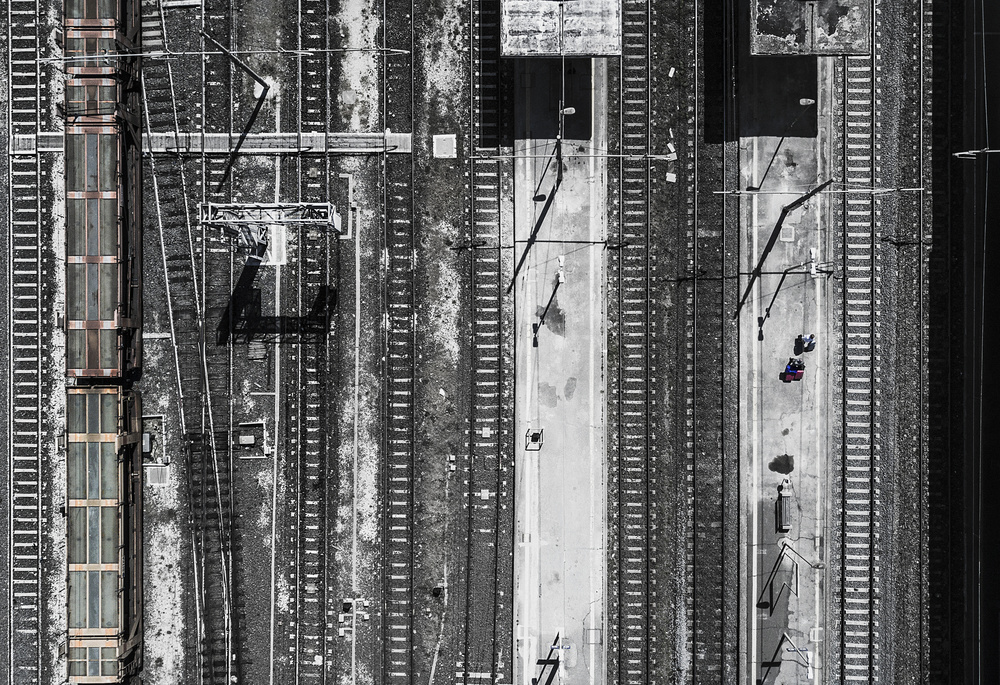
<point>172,54</point>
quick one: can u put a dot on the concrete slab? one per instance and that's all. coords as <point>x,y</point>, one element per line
<point>543,28</point>
<point>445,146</point>
<point>828,27</point>
<point>558,287</point>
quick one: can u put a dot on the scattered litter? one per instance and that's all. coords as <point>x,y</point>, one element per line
<point>670,146</point>
<point>442,393</point>
<point>671,73</point>
<point>671,178</point>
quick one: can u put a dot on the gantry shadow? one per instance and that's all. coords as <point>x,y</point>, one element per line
<point>243,322</point>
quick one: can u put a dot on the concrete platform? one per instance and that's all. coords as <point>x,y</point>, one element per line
<point>560,549</point>
<point>785,427</point>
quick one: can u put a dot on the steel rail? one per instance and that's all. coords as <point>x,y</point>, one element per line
<point>634,404</point>
<point>859,596</point>
<point>24,400</point>
<point>400,345</point>
<point>314,598</point>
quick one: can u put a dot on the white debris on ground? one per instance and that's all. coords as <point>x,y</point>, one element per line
<point>443,314</point>
<point>55,574</point>
<point>444,62</point>
<point>359,101</point>
<point>249,403</point>
<point>368,440</point>
<point>265,480</point>
<point>165,628</point>
<point>272,88</point>
<point>282,593</point>
<point>359,69</point>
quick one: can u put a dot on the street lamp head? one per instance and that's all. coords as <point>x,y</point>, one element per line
<point>568,110</point>
<point>805,102</point>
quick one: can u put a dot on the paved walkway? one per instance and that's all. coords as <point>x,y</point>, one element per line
<point>560,489</point>
<point>784,427</point>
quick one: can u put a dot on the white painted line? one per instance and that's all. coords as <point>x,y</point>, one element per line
<point>354,475</point>
<point>755,441</point>
<point>277,414</point>
<point>596,564</point>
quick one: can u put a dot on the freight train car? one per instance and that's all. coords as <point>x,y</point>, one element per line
<point>104,534</point>
<point>103,189</point>
<point>103,318</point>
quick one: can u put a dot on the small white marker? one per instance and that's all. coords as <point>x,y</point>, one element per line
<point>671,178</point>
<point>671,73</point>
<point>670,146</point>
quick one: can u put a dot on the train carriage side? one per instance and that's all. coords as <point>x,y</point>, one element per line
<point>104,344</point>
<point>103,191</point>
<point>104,534</point>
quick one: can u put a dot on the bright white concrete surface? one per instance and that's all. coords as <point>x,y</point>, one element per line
<point>560,539</point>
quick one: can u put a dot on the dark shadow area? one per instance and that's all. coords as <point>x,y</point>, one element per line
<point>962,476</point>
<point>719,27</point>
<point>537,94</point>
<point>771,87</point>
<point>242,321</point>
<point>783,464</point>
<point>492,123</point>
<point>508,88</point>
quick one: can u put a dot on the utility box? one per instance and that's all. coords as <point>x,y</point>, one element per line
<point>783,513</point>
<point>534,439</point>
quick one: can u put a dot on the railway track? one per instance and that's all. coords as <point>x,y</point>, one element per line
<point>311,445</point>
<point>487,437</point>
<point>219,538</point>
<point>182,251</point>
<point>705,309</point>
<point>310,358</point>
<point>488,433</point>
<point>859,496</point>
<point>485,73</point>
<point>24,297</point>
<point>169,177</point>
<point>631,594</point>
<point>398,298</point>
<point>942,60</point>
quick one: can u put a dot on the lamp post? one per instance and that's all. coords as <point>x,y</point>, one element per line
<point>806,103</point>
<point>755,274</point>
<point>563,111</point>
